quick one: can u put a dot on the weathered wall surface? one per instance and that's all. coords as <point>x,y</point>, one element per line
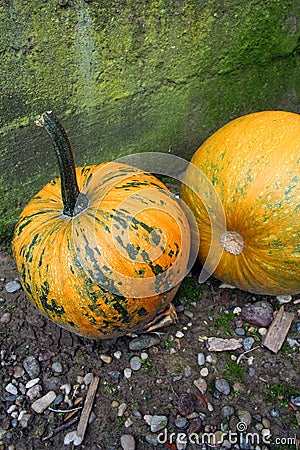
<point>127,76</point>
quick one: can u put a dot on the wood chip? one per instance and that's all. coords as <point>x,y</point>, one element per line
<point>87,408</point>
<point>215,344</point>
<point>278,330</point>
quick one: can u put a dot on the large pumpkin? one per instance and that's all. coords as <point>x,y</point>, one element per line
<point>244,184</point>
<point>102,249</point>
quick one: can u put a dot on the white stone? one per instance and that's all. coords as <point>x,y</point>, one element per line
<point>127,372</point>
<point>42,403</point>
<point>106,358</point>
<point>66,388</point>
<point>72,437</point>
<point>127,442</point>
<point>121,409</point>
<point>32,383</point>
<point>179,334</point>
<point>204,372</point>
<point>11,389</point>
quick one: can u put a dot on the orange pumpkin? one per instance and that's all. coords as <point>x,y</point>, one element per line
<point>102,249</point>
<point>253,166</point>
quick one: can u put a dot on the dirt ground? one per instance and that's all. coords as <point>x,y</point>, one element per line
<point>163,385</point>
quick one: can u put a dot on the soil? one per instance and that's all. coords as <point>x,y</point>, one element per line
<point>158,388</point>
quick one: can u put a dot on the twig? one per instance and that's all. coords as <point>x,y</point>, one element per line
<point>87,408</point>
<point>65,410</point>
<point>244,353</point>
<point>60,428</point>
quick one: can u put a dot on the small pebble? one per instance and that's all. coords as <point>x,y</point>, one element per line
<point>186,405</point>
<point>11,389</point>
<point>274,413</point>
<point>250,360</point>
<point>201,384</point>
<point>217,394</point>
<point>34,392</point>
<point>144,341</point>
<point>127,442</point>
<point>222,386</point>
<point>266,432</point>
<point>227,411</point>
<point>157,423</point>
<point>127,372</point>
<point>128,422</point>
<point>106,358</point>
<point>121,409</point>
<point>135,363</point>
<point>295,400</point>
<point>12,286</point>
<point>181,422</point>
<point>11,409</point>
<point>32,383</point>
<point>72,437</point>
<point>115,404</point>
<point>187,371</point>
<point>88,378</point>
<point>240,331</point>
<point>298,326</point>
<point>248,343</point>
<point>151,439</point>
<point>92,417</point>
<point>237,310</point>
<point>59,399</point>
<point>188,314</point>
<point>259,313</point>
<point>18,371</point>
<point>210,407</point>
<point>144,356</point>
<point>115,374</point>
<point>284,298</point>
<point>262,331</point>
<point>211,359</point>
<point>201,359</point>
<point>32,367</point>
<point>118,354</point>
<point>57,367</point>
<point>179,334</point>
<point>293,343</point>
<point>204,372</point>
<point>251,371</point>
<point>66,388</point>
<point>245,417</point>
<point>5,318</point>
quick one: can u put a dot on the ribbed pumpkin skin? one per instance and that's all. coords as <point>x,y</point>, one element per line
<point>253,163</point>
<point>60,259</point>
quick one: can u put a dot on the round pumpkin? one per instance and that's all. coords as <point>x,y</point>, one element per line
<point>243,185</point>
<point>102,249</point>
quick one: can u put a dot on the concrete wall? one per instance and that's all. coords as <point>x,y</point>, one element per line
<point>129,76</point>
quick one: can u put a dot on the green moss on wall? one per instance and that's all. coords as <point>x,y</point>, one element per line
<point>127,76</point>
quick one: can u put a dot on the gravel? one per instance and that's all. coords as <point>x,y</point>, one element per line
<point>190,378</point>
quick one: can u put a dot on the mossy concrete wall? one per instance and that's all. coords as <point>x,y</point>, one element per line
<point>129,76</point>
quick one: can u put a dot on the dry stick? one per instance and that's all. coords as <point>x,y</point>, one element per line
<point>87,408</point>
<point>278,330</point>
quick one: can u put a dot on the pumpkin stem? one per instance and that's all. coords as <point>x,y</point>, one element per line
<point>73,200</point>
<point>232,242</point>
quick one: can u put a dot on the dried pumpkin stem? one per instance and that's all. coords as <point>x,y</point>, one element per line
<point>74,202</point>
<point>232,242</point>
